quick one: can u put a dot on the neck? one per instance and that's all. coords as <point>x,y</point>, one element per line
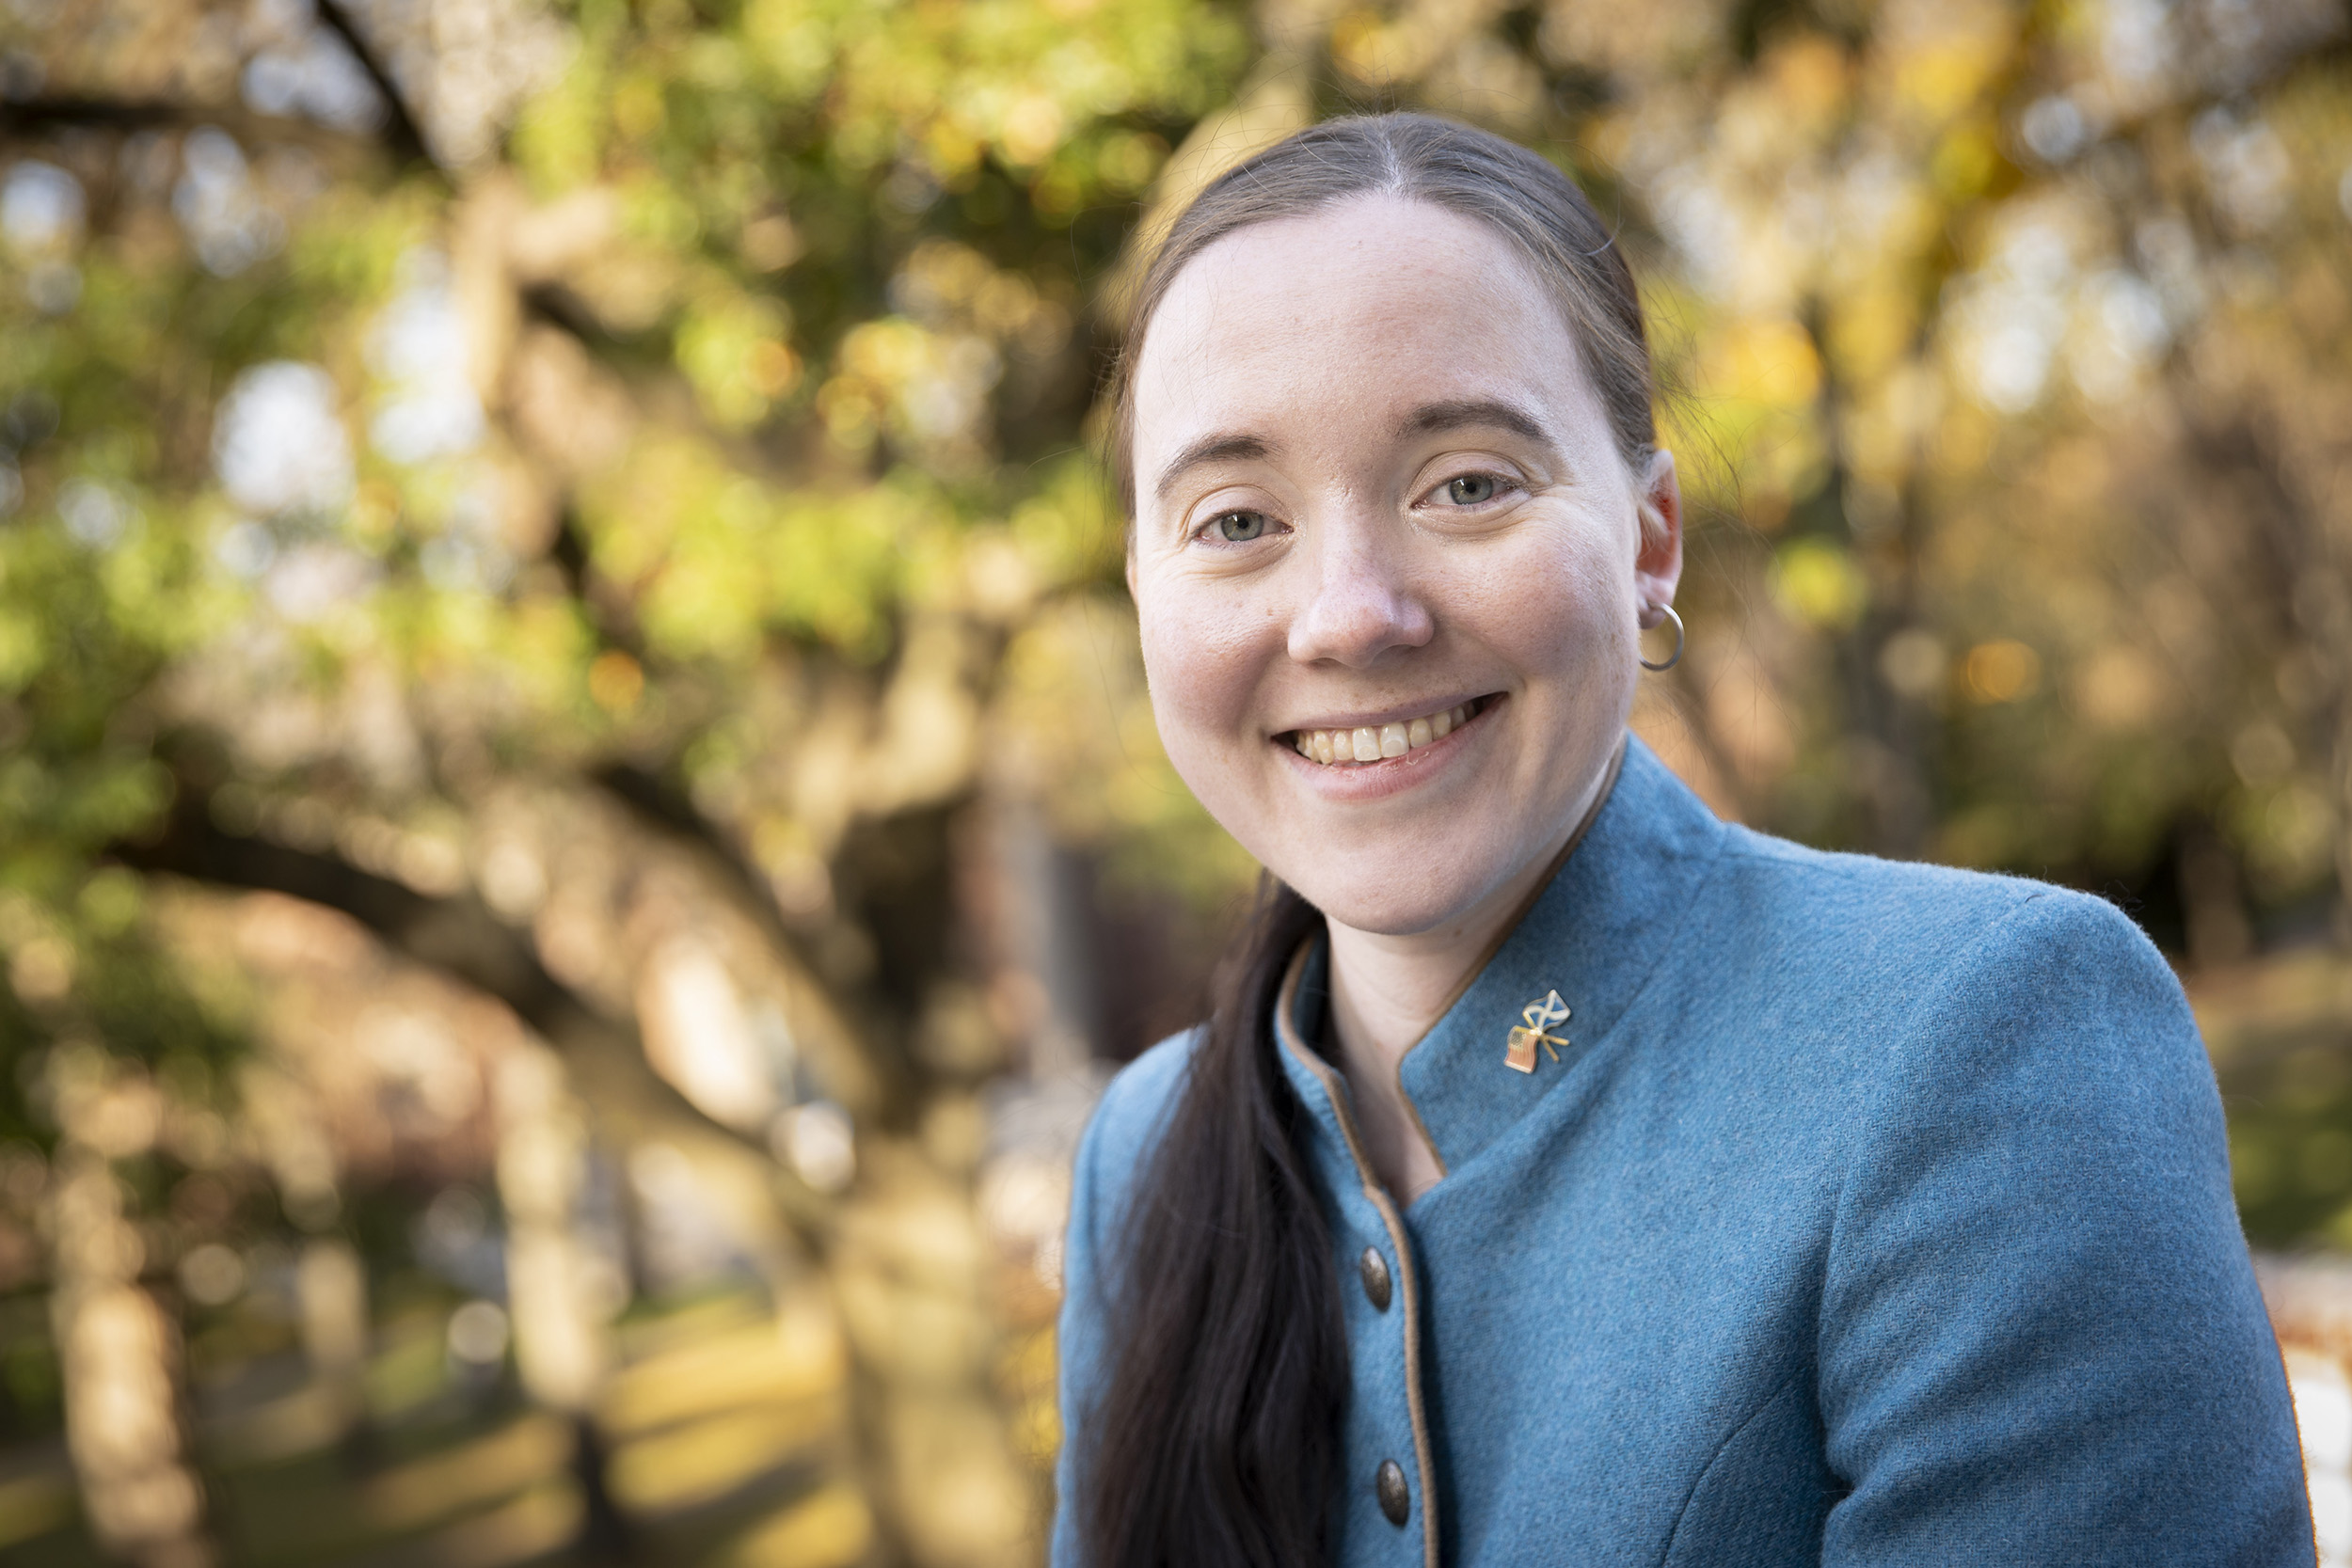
<point>1386,989</point>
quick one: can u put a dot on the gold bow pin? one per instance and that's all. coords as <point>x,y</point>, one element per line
<point>1526,1037</point>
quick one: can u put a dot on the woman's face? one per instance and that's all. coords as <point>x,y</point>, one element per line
<point>1379,507</point>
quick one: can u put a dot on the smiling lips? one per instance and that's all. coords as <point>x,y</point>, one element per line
<point>1374,743</point>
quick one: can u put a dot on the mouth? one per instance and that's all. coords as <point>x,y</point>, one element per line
<point>1370,743</point>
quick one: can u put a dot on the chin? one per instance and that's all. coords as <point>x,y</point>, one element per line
<point>1384,902</point>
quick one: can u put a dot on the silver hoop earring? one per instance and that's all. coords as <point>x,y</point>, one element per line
<point>1676,658</point>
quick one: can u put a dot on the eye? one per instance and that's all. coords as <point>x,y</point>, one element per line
<point>1240,528</point>
<point>1472,489</point>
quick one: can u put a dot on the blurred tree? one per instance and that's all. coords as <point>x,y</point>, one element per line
<point>597,493</point>
<point>470,458</point>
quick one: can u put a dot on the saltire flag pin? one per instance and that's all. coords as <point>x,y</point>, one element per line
<point>1526,1037</point>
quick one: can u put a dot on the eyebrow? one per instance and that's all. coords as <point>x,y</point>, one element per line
<point>1428,419</point>
<point>1431,418</point>
<point>1210,448</point>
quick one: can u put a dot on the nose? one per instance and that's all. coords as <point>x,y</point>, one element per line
<point>1360,604</point>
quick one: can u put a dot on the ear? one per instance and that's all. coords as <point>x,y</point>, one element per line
<point>1658,559</point>
<point>1131,564</point>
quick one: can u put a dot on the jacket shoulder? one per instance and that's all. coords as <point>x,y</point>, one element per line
<point>1936,913</point>
<point>1139,1099</point>
<point>1127,1122</point>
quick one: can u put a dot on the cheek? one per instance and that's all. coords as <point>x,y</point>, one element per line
<point>1202,656</point>
<point>1560,609</point>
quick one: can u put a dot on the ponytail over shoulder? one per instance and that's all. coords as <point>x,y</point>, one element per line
<point>1214,1442</point>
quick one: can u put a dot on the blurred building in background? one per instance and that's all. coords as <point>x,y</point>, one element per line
<point>579,820</point>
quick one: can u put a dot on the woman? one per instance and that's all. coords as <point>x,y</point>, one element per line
<point>1565,1175</point>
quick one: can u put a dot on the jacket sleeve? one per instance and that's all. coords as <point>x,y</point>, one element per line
<point>2040,1339</point>
<point>1123,1132</point>
<point>1078,1334</point>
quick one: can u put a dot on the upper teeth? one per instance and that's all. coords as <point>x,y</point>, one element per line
<point>1370,743</point>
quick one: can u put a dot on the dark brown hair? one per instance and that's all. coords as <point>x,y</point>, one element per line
<point>1214,1441</point>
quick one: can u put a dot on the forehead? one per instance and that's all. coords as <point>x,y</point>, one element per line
<point>1344,317</point>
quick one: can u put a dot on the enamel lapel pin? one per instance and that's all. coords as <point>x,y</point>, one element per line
<point>1526,1037</point>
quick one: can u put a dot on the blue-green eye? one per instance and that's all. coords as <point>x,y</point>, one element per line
<point>1472,489</point>
<point>1240,528</point>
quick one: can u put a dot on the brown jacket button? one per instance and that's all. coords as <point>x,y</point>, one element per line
<point>1395,1501</point>
<point>1374,1269</point>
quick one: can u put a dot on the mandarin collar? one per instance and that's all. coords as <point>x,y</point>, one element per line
<point>1594,934</point>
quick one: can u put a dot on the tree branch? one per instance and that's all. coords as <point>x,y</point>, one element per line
<point>458,936</point>
<point>402,134</point>
<point>658,805</point>
<point>35,117</point>
<point>31,113</point>
<point>664,808</point>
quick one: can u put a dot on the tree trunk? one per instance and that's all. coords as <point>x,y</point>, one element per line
<point>560,1291</point>
<point>120,1349</point>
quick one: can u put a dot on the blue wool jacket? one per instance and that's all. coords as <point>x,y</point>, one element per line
<point>1873,1214</point>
